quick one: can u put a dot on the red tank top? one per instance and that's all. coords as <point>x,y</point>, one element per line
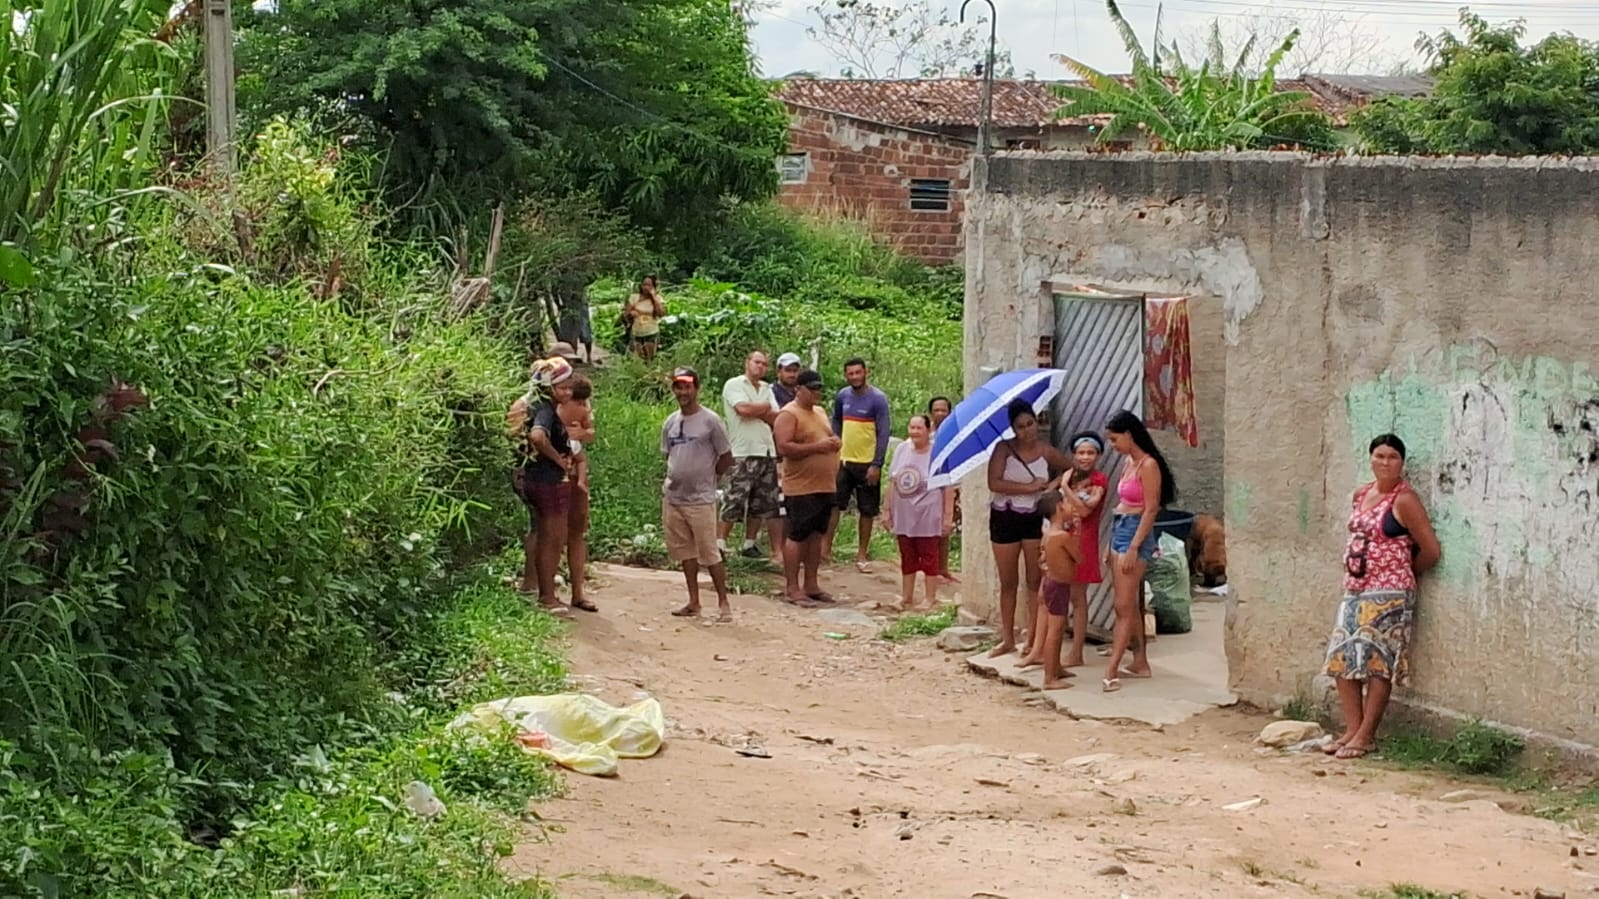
<point>1372,559</point>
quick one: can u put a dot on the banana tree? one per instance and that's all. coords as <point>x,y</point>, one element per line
<point>1180,107</point>
<point>81,97</point>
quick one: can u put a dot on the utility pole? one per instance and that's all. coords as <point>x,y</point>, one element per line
<point>221,120</point>
<point>985,130</point>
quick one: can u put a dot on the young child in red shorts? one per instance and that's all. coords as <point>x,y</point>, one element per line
<point>1062,551</point>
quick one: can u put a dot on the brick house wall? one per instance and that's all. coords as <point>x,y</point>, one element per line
<point>843,166</point>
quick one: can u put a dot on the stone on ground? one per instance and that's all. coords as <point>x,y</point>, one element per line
<point>1280,734</point>
<point>964,638</point>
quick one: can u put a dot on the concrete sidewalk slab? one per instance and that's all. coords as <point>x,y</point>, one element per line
<point>1190,677</point>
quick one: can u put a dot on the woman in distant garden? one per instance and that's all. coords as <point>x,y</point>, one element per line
<point>1391,541</point>
<point>643,314</point>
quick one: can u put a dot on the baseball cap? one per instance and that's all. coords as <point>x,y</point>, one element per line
<point>787,359</point>
<point>809,379</point>
<point>686,374</point>
<point>551,371</point>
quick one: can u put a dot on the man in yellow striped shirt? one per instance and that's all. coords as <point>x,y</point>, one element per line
<point>860,418</point>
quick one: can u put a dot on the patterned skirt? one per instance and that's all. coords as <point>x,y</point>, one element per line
<point>1371,637</point>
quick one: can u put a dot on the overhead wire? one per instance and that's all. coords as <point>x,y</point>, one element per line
<point>715,141</point>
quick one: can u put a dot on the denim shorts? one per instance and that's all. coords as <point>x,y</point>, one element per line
<point>1122,530</point>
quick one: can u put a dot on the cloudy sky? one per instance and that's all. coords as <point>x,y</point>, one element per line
<point>1378,33</point>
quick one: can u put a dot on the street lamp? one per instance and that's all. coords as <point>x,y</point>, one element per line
<point>984,135</point>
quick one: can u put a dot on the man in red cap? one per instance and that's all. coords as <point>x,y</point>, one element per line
<point>698,453</point>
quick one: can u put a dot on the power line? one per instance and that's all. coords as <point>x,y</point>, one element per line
<point>644,112</point>
<point>1386,10</point>
<point>1366,15</point>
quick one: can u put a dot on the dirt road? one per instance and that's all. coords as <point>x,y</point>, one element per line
<point>894,771</point>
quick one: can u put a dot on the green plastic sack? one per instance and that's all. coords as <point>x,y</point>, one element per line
<point>1173,597</point>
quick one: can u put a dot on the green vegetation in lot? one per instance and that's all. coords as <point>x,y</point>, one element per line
<point>326,824</point>
<point>913,352</point>
<point>929,625</point>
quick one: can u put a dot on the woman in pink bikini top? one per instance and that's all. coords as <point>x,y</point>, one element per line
<point>1145,487</point>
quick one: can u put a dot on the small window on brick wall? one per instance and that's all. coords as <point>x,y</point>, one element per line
<point>930,194</point>
<point>793,167</point>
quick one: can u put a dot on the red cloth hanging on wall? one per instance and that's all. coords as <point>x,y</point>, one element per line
<point>1169,369</point>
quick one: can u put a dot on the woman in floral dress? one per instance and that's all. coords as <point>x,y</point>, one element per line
<point>1391,540</point>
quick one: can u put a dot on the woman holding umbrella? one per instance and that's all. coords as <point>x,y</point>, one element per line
<point>1020,470</point>
<point>997,425</point>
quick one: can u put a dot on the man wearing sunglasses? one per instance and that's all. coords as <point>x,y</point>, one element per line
<point>809,449</point>
<point>698,452</point>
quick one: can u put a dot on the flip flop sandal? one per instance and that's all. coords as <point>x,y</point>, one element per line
<point>806,603</point>
<point>1134,675</point>
<point>585,605</point>
<point>863,567</point>
<point>1347,752</point>
<point>686,612</point>
<point>1333,747</point>
<point>724,617</point>
<point>1111,684</point>
<point>560,611</point>
<point>823,597</point>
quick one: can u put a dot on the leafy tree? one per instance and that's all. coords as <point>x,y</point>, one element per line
<point>893,40</point>
<point>1183,108</point>
<point>655,103</point>
<point>1491,94</point>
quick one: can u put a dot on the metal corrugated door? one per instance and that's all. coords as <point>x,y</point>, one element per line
<point>1099,340</point>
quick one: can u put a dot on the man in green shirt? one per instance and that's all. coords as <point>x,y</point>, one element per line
<point>751,494</point>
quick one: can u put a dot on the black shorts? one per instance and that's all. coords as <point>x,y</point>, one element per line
<point>1007,526</point>
<point>852,482</point>
<point>808,515</point>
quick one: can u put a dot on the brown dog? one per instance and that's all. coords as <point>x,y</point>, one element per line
<point>1207,551</point>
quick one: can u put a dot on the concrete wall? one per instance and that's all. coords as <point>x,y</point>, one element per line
<point>1448,300</point>
<point>863,170</point>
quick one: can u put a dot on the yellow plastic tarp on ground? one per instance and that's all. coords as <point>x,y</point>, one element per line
<point>575,730</point>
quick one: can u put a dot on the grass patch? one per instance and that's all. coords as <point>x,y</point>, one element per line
<point>1303,708</point>
<point>930,624</point>
<point>750,577</point>
<point>630,883</point>
<point>1475,748</point>
<point>1575,804</point>
<point>1411,891</point>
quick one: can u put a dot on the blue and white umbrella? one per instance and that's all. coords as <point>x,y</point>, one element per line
<point>968,436</point>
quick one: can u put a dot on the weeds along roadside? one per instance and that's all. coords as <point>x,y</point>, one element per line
<point>329,823</point>
<point>238,479</point>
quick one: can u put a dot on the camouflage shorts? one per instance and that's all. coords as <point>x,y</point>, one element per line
<point>752,490</point>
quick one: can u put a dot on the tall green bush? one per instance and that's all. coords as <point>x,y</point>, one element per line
<point>216,571</point>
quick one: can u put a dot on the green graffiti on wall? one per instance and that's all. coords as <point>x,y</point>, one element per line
<point>1238,504</point>
<point>1304,511</point>
<point>1411,406</point>
<point>1481,428</point>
